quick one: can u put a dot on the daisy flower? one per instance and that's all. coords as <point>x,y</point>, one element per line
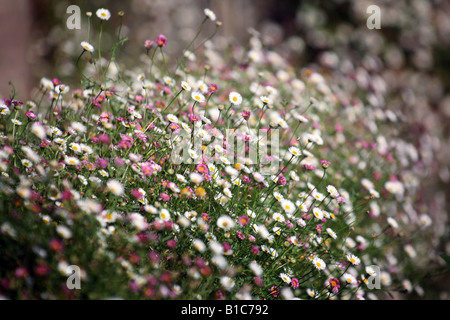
<point>4,110</point>
<point>16,122</point>
<point>319,263</point>
<point>185,86</point>
<point>103,173</point>
<point>288,206</point>
<point>391,221</point>
<point>199,245</point>
<point>278,217</point>
<point>331,233</point>
<point>115,187</point>
<point>197,96</point>
<point>87,46</point>
<point>210,14</point>
<point>354,260</point>
<point>164,215</point>
<point>27,163</point>
<point>318,196</point>
<point>332,191</point>
<point>64,232</point>
<point>278,196</point>
<point>75,147</point>
<point>225,222</point>
<point>172,118</point>
<point>295,151</point>
<point>285,278</point>
<point>318,213</point>
<point>266,100</point>
<point>72,161</point>
<point>103,14</point>
<point>235,98</point>
<point>350,279</point>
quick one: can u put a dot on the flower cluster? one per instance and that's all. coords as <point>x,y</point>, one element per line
<point>88,178</point>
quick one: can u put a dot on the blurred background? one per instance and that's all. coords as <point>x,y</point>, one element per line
<point>404,66</point>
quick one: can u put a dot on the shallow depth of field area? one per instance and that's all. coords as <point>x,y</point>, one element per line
<point>127,182</point>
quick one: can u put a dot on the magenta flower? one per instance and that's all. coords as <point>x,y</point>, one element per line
<point>240,235</point>
<point>334,284</point>
<point>281,180</point>
<point>31,115</point>
<point>147,170</point>
<point>274,291</point>
<point>294,283</point>
<point>244,220</point>
<point>161,40</point>
<point>104,138</point>
<point>246,114</point>
<point>102,163</point>
<point>148,44</point>
<point>164,197</point>
<point>213,88</point>
<point>21,272</point>
<point>171,243</point>
<point>135,193</point>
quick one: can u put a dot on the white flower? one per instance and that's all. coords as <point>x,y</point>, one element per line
<point>227,282</point>
<point>285,277</point>
<point>138,221</point>
<point>103,14</point>
<point>164,215</point>
<point>318,213</point>
<point>235,98</point>
<point>79,127</point>
<point>104,173</point>
<point>199,245</point>
<point>288,206</point>
<point>350,279</point>
<point>16,122</point>
<point>332,191</point>
<point>319,263</point>
<point>115,187</point>
<point>47,84</point>
<point>185,86</point>
<point>278,196</point>
<point>64,232</point>
<point>172,118</point>
<point>196,177</point>
<point>71,161</point>
<point>295,151</point>
<point>266,100</point>
<point>392,222</point>
<point>62,89</point>
<point>331,233</point>
<point>354,260</point>
<point>256,268</point>
<point>225,222</point>
<point>87,46</point>
<point>197,96</point>
<point>210,14</point>
<point>4,109</point>
<point>27,163</point>
<point>278,217</point>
